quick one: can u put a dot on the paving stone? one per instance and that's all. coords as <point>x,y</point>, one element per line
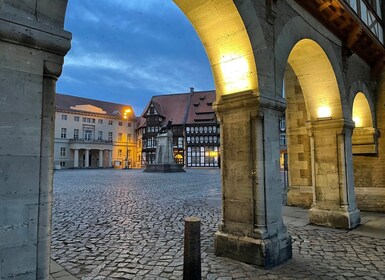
<point>109,224</point>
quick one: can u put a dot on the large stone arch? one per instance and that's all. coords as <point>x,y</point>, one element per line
<point>328,125</point>
<point>296,30</point>
<point>224,35</point>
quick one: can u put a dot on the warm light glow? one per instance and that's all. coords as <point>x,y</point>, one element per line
<point>213,153</point>
<point>235,72</point>
<point>357,121</point>
<point>126,112</point>
<point>324,112</point>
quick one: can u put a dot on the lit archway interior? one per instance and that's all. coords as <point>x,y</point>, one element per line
<point>224,37</point>
<point>317,79</point>
<point>361,116</point>
<point>312,93</point>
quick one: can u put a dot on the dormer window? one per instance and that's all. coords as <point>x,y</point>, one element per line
<point>116,112</point>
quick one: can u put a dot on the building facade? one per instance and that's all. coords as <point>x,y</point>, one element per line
<point>194,126</point>
<point>93,134</point>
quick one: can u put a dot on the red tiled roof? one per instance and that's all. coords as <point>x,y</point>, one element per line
<point>65,102</point>
<point>201,110</point>
<point>183,108</point>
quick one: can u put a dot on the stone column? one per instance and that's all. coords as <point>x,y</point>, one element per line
<point>101,158</point>
<point>334,201</point>
<point>109,158</point>
<point>76,158</point>
<point>31,57</point>
<point>87,159</point>
<point>252,230</point>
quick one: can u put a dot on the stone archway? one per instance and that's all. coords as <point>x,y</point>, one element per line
<point>34,43</point>
<point>319,127</point>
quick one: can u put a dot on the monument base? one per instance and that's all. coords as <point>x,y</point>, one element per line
<point>164,168</point>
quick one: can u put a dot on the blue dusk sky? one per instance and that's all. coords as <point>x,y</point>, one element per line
<point>126,51</point>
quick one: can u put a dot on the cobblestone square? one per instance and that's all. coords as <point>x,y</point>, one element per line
<point>126,224</point>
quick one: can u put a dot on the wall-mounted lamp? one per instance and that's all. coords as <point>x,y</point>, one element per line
<point>324,112</point>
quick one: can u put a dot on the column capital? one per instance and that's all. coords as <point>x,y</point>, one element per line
<point>249,100</point>
<point>52,69</point>
<point>341,125</point>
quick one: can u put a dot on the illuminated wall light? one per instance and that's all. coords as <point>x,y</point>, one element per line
<point>235,73</point>
<point>357,121</point>
<point>324,112</point>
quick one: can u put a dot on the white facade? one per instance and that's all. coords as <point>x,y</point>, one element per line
<point>87,137</point>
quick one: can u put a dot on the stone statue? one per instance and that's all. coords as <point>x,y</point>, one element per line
<point>164,157</point>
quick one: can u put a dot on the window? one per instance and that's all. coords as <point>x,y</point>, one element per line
<point>62,151</point>
<point>215,139</point>
<point>187,129</point>
<point>120,153</point>
<point>88,120</point>
<point>282,124</point>
<point>76,133</point>
<point>76,118</point>
<point>128,137</point>
<point>62,164</point>
<point>63,133</point>
<point>188,139</point>
<point>120,123</point>
<point>205,129</point>
<point>110,122</point>
<point>214,129</point>
<point>110,136</point>
<point>196,129</point>
<point>100,121</point>
<point>64,117</point>
<point>100,135</point>
<point>129,124</point>
<point>119,136</point>
<point>180,142</point>
<point>282,140</point>
<point>87,135</point>
<point>201,129</point>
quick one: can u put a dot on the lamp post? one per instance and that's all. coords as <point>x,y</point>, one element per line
<point>126,112</point>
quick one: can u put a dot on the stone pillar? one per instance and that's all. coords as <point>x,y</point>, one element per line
<point>76,158</point>
<point>334,201</point>
<point>109,158</point>
<point>252,230</point>
<point>87,158</point>
<point>101,158</point>
<point>31,59</point>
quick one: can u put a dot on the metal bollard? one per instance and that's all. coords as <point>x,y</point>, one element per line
<point>192,249</point>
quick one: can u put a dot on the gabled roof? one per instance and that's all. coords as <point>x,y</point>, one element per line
<point>76,104</point>
<point>171,106</point>
<point>201,110</point>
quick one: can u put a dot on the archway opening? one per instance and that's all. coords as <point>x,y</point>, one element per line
<point>312,96</point>
<point>364,147</point>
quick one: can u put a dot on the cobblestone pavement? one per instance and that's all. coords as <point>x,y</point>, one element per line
<point>126,224</point>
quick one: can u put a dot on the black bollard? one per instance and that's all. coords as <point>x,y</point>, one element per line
<point>192,249</point>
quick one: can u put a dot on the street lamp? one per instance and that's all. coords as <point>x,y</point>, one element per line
<point>125,116</point>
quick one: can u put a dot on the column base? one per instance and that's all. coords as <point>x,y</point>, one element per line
<point>268,252</point>
<point>335,218</point>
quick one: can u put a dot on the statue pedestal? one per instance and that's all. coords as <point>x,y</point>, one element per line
<point>164,158</point>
